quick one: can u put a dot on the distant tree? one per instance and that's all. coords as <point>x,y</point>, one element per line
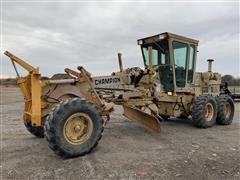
<point>231,80</point>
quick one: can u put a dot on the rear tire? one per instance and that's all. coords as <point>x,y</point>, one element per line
<point>225,109</point>
<point>73,128</point>
<point>204,111</point>
<point>36,131</point>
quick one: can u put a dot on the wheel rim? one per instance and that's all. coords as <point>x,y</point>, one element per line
<point>227,110</point>
<point>78,128</point>
<point>209,111</point>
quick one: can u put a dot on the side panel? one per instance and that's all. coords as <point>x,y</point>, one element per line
<point>109,81</point>
<point>116,82</point>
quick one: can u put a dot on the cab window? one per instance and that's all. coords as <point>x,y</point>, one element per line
<point>180,58</point>
<point>160,53</point>
<point>154,56</point>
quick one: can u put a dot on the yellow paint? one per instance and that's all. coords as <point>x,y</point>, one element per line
<point>36,99</point>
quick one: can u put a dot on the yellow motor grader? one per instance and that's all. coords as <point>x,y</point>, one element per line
<point>71,109</point>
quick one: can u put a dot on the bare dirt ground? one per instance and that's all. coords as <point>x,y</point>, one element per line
<point>126,150</point>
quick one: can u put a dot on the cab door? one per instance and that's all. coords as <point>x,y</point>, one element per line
<point>184,60</point>
<point>180,55</point>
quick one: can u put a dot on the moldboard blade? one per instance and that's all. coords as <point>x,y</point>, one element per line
<point>146,120</point>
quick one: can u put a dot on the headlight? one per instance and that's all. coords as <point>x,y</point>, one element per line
<point>169,93</point>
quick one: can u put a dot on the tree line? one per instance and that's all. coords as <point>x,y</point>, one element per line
<point>232,81</point>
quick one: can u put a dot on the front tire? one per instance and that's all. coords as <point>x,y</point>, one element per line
<point>36,131</point>
<point>225,110</point>
<point>204,111</point>
<point>73,128</point>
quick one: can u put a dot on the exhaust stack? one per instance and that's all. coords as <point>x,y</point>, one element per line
<point>210,64</point>
<point>120,62</point>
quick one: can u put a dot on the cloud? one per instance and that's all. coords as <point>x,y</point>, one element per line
<point>57,35</point>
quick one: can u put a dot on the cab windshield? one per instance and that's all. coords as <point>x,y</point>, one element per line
<point>160,53</point>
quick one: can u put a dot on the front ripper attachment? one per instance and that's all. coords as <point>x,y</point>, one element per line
<point>146,120</point>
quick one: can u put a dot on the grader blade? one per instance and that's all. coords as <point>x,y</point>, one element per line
<point>146,120</point>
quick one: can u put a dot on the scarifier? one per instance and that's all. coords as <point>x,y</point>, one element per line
<point>70,110</point>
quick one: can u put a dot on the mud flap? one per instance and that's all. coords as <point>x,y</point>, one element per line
<point>146,120</point>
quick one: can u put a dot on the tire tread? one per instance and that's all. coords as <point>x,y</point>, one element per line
<point>52,120</point>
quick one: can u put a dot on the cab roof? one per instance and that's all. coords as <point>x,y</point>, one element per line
<point>167,35</point>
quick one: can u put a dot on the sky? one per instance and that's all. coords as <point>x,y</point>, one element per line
<point>55,35</point>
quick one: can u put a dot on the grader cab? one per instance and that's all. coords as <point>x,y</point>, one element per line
<point>70,110</point>
<point>173,58</point>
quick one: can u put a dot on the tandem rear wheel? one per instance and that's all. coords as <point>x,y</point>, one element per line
<point>204,111</point>
<point>208,110</point>
<point>225,107</point>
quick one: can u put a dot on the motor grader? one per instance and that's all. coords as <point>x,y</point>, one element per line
<point>70,110</point>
